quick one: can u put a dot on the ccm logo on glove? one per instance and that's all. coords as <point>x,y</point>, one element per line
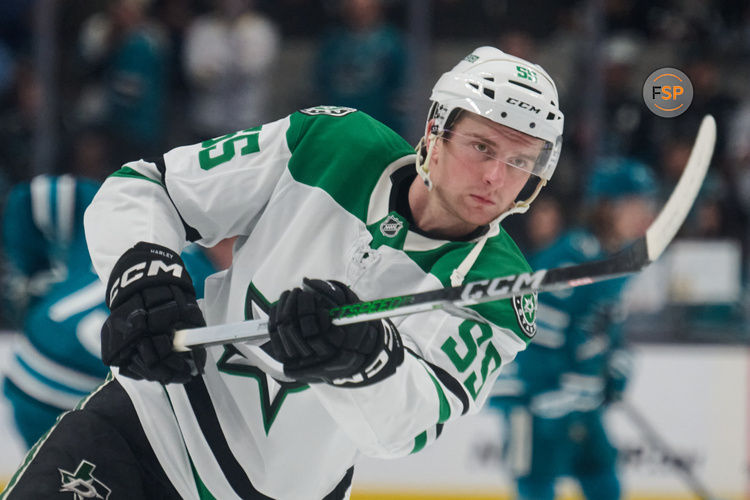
<point>132,274</point>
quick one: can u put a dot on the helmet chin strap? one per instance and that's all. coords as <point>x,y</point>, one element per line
<point>423,167</point>
<point>519,207</point>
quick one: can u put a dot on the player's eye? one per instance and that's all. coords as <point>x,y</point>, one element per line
<point>522,163</point>
<point>482,148</point>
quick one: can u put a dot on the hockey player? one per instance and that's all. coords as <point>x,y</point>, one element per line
<point>325,193</point>
<point>554,397</point>
<point>57,298</point>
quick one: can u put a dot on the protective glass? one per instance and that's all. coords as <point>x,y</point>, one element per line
<point>517,150</point>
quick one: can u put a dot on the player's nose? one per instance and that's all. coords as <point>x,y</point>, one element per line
<point>495,172</point>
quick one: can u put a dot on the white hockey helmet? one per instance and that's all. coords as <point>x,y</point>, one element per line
<point>506,89</point>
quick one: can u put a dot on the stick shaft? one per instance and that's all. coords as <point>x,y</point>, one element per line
<point>655,440</point>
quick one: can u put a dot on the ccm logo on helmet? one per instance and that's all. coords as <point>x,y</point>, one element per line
<point>522,105</point>
<point>135,273</point>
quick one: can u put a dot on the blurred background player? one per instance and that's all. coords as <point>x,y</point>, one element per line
<point>229,54</point>
<point>553,398</point>
<point>124,60</point>
<point>361,63</point>
<point>58,300</point>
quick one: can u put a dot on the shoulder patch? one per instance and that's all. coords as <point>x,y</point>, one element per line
<point>525,308</point>
<point>328,110</point>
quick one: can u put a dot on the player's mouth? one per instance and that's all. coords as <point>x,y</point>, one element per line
<point>482,200</point>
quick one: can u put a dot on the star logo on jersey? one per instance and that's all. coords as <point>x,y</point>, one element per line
<point>525,309</point>
<point>233,362</point>
<point>82,482</point>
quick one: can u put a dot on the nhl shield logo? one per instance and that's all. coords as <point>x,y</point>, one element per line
<point>391,226</point>
<point>525,308</point>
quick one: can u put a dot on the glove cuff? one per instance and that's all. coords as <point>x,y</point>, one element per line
<point>146,265</point>
<point>382,364</point>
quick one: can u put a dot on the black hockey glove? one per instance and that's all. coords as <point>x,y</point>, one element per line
<point>312,349</point>
<point>150,295</point>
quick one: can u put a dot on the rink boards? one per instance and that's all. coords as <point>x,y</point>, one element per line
<point>695,397</point>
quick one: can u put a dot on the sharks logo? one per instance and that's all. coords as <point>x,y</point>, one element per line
<point>525,308</point>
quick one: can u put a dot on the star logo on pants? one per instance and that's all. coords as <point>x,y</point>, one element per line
<point>82,482</point>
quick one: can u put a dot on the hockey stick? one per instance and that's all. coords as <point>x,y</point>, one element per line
<point>655,440</point>
<point>632,259</point>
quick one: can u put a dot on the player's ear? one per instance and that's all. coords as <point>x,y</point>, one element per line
<point>431,137</point>
<point>429,128</point>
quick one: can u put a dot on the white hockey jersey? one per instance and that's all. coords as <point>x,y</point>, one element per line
<point>309,195</point>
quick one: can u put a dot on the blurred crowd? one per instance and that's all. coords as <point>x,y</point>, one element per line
<point>137,77</point>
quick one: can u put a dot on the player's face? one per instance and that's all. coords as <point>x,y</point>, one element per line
<point>631,217</point>
<point>477,170</point>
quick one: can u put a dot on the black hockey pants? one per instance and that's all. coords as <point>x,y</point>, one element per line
<point>97,451</point>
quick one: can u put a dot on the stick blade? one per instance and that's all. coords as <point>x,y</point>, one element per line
<point>669,221</point>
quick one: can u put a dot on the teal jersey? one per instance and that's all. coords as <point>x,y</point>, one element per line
<point>43,235</point>
<point>363,70</point>
<point>136,88</point>
<point>553,397</point>
<point>56,361</point>
<point>569,365</point>
<point>309,195</point>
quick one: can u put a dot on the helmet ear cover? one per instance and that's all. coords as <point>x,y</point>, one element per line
<point>436,109</point>
<point>433,132</point>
